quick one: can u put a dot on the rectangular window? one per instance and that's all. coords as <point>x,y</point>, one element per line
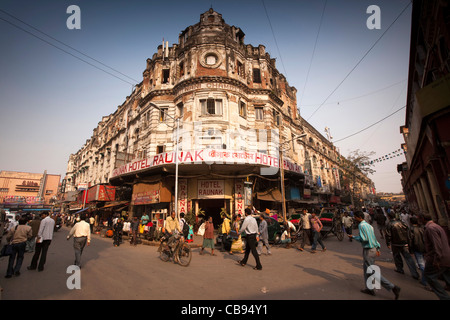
<point>242,109</point>
<point>259,113</point>
<point>211,106</point>
<point>181,65</point>
<point>256,75</point>
<point>276,118</point>
<point>180,108</point>
<point>240,69</point>
<point>163,114</point>
<point>159,149</point>
<point>165,75</point>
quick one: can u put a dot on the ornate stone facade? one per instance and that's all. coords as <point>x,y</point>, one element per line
<point>234,112</point>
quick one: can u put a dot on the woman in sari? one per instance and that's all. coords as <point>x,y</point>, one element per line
<point>236,244</point>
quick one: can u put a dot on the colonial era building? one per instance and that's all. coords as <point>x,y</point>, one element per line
<point>426,172</point>
<point>216,113</point>
<point>27,191</point>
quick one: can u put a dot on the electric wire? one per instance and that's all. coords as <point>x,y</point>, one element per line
<point>353,134</point>
<point>313,53</point>
<point>275,39</point>
<point>65,51</point>
<point>360,60</point>
<point>360,96</point>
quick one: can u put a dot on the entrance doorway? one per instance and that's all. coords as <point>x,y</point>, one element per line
<point>213,207</point>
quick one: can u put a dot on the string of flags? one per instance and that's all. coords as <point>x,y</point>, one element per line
<point>391,155</point>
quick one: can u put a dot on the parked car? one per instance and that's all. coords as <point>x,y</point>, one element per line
<point>11,216</point>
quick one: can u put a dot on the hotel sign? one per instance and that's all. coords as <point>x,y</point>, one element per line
<point>211,189</point>
<point>208,156</point>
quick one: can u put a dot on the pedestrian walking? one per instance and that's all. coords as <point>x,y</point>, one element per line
<point>347,222</point>
<point>418,248</point>
<point>397,239</point>
<point>43,241</point>
<point>371,249</point>
<point>250,227</point>
<point>18,239</point>
<point>305,225</point>
<point>263,236</point>
<point>437,256</point>
<point>316,227</point>
<point>208,236</point>
<point>117,233</point>
<point>225,230</point>
<point>134,229</point>
<point>34,224</point>
<point>380,218</point>
<point>81,233</point>
<point>92,223</point>
<point>236,243</point>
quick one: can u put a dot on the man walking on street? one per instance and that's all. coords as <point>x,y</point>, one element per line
<point>134,227</point>
<point>263,236</point>
<point>81,233</point>
<point>306,229</point>
<point>397,238</point>
<point>43,240</point>
<point>371,249</point>
<point>437,256</point>
<point>250,227</point>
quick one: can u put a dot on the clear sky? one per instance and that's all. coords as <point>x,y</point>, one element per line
<point>50,101</point>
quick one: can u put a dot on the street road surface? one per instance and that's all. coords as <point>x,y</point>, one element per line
<point>137,273</point>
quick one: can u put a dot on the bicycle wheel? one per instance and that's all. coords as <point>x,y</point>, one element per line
<point>184,254</point>
<point>164,252</point>
<point>339,232</point>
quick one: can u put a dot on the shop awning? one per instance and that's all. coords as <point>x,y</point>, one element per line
<point>82,210</point>
<point>272,195</point>
<point>114,204</point>
<point>304,201</point>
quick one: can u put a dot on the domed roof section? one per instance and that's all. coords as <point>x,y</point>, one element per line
<point>211,18</point>
<point>211,29</point>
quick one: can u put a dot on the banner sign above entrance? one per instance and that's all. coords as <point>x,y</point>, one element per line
<point>208,156</point>
<point>211,189</point>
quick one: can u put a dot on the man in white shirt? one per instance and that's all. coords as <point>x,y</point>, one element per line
<point>250,227</point>
<point>43,240</point>
<point>81,233</point>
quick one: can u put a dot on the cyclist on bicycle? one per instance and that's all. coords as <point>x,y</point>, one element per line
<point>172,228</point>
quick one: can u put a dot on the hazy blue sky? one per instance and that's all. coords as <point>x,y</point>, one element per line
<point>50,101</point>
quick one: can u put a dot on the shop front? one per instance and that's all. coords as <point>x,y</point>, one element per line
<point>210,183</point>
<point>153,199</point>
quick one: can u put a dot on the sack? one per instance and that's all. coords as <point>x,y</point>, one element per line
<point>201,230</point>
<point>185,230</point>
<point>234,235</point>
<point>7,250</point>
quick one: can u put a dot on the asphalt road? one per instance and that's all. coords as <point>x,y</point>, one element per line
<point>136,273</point>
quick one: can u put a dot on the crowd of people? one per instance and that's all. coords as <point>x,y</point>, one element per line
<point>414,240</point>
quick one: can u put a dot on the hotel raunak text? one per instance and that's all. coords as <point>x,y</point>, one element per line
<point>209,156</point>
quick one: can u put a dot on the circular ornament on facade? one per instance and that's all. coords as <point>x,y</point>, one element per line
<point>210,59</point>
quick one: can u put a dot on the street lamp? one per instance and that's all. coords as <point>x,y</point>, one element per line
<point>283,195</point>
<point>177,120</point>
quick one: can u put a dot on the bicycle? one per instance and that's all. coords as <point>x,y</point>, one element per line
<point>334,226</point>
<point>182,253</point>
